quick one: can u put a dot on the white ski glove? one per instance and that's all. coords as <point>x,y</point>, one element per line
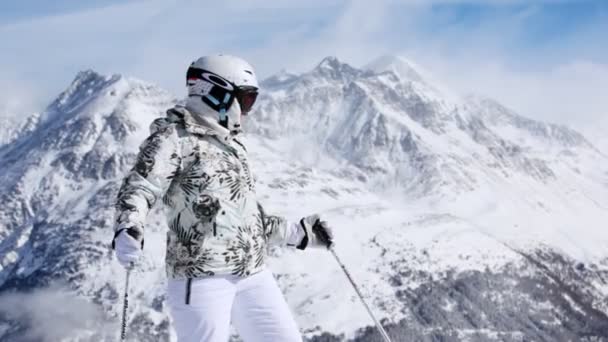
<point>316,233</point>
<point>128,249</point>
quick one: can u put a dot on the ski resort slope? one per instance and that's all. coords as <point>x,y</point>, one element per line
<point>459,219</point>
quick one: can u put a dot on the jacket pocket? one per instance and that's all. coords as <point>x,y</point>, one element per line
<point>188,290</point>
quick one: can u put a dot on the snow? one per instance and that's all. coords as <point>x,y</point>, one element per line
<point>412,180</point>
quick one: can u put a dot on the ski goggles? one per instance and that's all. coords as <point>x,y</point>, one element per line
<point>218,92</point>
<point>246,96</point>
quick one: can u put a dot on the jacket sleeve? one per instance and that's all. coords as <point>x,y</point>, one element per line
<point>278,231</point>
<point>157,163</point>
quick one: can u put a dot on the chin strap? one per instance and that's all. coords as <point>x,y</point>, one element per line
<point>223,121</point>
<point>222,106</point>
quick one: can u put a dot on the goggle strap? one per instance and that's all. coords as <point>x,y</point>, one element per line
<point>213,99</point>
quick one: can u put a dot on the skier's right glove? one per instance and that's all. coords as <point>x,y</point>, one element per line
<point>317,233</point>
<point>127,246</point>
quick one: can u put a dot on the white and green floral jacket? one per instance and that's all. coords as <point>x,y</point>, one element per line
<point>202,175</point>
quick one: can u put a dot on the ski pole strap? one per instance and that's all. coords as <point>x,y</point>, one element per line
<point>304,241</point>
<point>352,282</point>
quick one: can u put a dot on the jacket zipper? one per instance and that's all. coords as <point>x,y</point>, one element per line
<point>188,289</point>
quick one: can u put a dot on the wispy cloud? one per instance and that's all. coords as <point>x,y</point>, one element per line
<point>54,314</point>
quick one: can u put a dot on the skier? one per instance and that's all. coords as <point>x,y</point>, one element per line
<point>195,162</point>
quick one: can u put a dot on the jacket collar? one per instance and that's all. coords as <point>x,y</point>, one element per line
<point>199,125</point>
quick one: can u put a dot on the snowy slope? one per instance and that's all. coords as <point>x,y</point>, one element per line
<point>12,127</point>
<point>460,219</point>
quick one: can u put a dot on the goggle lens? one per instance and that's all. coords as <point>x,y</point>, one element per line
<point>247,98</point>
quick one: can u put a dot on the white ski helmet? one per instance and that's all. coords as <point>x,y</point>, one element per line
<point>225,84</point>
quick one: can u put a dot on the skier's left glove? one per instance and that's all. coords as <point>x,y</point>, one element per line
<point>128,246</point>
<point>317,233</point>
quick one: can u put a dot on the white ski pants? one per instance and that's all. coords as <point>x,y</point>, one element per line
<point>203,308</point>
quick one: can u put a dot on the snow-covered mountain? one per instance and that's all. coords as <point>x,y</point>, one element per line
<point>461,220</point>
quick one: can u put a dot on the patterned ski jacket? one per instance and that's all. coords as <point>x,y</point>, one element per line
<point>203,178</point>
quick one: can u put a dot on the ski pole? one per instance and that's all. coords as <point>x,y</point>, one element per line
<point>352,282</point>
<point>125,307</point>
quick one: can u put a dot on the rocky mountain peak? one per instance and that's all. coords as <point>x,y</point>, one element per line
<point>83,88</point>
<point>330,62</point>
<point>86,82</point>
<point>405,124</point>
<point>331,67</point>
<point>398,65</point>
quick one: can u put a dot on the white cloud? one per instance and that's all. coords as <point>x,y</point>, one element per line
<point>571,93</point>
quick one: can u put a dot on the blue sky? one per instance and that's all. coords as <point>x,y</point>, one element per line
<point>27,9</point>
<point>523,52</point>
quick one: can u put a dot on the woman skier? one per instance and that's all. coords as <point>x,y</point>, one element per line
<point>218,233</point>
